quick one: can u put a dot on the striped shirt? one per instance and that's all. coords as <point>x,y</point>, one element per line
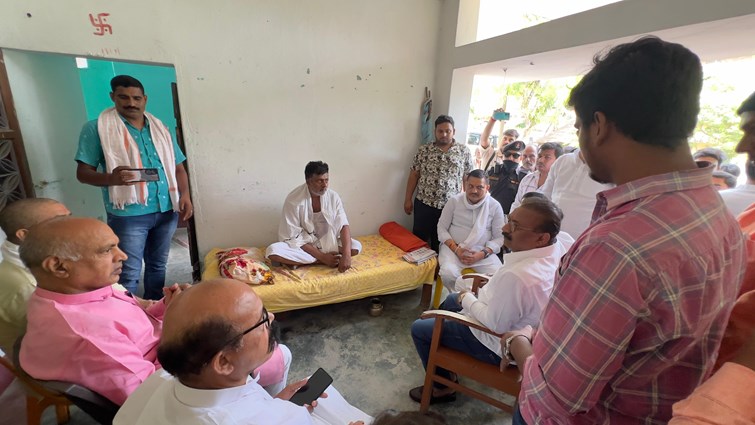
<point>639,305</point>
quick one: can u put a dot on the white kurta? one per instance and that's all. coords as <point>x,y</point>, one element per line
<point>298,226</point>
<point>456,222</point>
<point>739,198</point>
<point>516,294</point>
<point>163,400</point>
<point>570,187</point>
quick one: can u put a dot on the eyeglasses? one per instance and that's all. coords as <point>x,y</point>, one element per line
<point>514,226</point>
<point>265,321</point>
<point>516,155</point>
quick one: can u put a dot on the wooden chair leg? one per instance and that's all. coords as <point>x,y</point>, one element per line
<point>62,413</point>
<point>438,292</point>
<point>34,409</point>
<point>424,302</point>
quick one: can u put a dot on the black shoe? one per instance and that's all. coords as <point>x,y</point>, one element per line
<point>416,395</point>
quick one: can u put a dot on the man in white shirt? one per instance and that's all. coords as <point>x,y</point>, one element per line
<point>739,198</point>
<point>314,227</point>
<point>214,335</point>
<point>469,231</point>
<point>546,156</point>
<point>570,186</point>
<point>513,298</point>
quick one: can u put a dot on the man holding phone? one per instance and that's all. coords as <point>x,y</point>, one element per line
<point>131,155</point>
<point>214,335</point>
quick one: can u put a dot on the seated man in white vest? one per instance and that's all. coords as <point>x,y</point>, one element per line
<point>314,228</point>
<point>214,335</point>
<point>469,230</point>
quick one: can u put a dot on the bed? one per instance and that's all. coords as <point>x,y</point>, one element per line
<point>378,270</point>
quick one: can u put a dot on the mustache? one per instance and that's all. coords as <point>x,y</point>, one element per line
<point>274,336</point>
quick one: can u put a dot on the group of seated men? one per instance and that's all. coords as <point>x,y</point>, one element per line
<point>616,325</point>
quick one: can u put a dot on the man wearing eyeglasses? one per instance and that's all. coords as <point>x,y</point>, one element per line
<point>79,328</point>
<point>513,297</point>
<point>214,335</point>
<point>469,231</point>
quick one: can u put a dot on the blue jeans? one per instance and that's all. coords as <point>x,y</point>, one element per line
<point>145,237</point>
<point>516,418</point>
<point>455,336</point>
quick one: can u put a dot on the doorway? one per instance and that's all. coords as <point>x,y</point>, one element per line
<point>54,95</point>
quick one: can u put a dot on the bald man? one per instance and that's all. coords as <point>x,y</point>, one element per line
<point>16,282</point>
<point>214,335</point>
<point>99,337</point>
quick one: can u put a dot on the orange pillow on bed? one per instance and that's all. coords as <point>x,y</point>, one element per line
<point>401,237</point>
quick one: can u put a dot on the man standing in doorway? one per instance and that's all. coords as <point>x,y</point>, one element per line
<point>437,172</point>
<point>143,214</point>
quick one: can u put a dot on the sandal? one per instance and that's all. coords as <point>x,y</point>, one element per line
<point>416,395</point>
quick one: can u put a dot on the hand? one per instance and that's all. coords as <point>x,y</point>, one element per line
<point>356,423</point>
<point>170,292</point>
<point>123,176</point>
<point>408,207</point>
<point>331,259</point>
<point>526,331</point>
<point>291,389</point>
<point>470,257</point>
<point>345,262</point>
<point>144,304</point>
<point>185,207</point>
<point>460,251</point>
<point>460,296</point>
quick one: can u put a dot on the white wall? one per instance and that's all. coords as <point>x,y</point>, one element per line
<point>266,86</point>
<point>50,108</point>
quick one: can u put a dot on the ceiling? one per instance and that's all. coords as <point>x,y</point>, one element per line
<point>712,41</point>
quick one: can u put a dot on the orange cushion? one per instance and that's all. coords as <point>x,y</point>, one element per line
<point>400,237</point>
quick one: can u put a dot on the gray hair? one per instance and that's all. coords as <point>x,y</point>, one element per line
<point>39,245</point>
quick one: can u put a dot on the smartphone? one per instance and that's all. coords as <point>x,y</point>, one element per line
<point>502,116</point>
<point>146,174</point>
<point>313,389</point>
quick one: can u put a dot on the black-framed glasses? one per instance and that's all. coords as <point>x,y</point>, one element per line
<point>265,320</point>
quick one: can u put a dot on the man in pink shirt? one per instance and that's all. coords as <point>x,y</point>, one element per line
<point>79,328</point>
<point>640,301</point>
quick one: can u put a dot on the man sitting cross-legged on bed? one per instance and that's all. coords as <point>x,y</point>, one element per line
<point>79,328</point>
<point>314,228</point>
<point>513,297</point>
<point>469,230</point>
<point>215,334</point>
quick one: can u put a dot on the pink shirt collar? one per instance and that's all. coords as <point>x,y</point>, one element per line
<point>86,297</point>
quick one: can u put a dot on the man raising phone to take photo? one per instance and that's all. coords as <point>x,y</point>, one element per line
<point>121,151</point>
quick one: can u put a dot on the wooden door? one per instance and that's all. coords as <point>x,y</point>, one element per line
<point>15,178</point>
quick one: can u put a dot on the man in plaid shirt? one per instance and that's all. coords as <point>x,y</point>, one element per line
<point>640,301</point>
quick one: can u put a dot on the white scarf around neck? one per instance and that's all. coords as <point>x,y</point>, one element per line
<point>480,219</point>
<point>120,149</point>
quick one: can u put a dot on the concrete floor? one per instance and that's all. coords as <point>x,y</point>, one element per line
<point>371,359</point>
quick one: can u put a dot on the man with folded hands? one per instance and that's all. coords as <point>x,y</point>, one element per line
<point>314,228</point>
<point>215,334</point>
<point>513,297</point>
<point>82,330</point>
<point>469,231</point>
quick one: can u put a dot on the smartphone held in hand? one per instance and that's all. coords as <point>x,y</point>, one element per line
<point>145,174</point>
<point>501,116</point>
<point>313,389</point>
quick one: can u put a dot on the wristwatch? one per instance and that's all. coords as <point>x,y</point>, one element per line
<point>487,253</point>
<point>506,352</point>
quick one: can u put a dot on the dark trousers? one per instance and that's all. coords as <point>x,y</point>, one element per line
<point>426,223</point>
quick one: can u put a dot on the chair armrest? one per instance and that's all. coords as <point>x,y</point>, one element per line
<point>459,318</point>
<point>478,280</point>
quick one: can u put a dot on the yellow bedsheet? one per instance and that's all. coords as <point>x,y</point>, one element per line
<point>377,270</point>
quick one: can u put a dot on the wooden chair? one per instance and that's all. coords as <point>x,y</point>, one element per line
<point>95,405</point>
<point>38,398</point>
<point>439,284</point>
<point>464,365</point>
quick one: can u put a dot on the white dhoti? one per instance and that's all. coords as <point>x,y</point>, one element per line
<point>299,255</point>
<point>451,267</point>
